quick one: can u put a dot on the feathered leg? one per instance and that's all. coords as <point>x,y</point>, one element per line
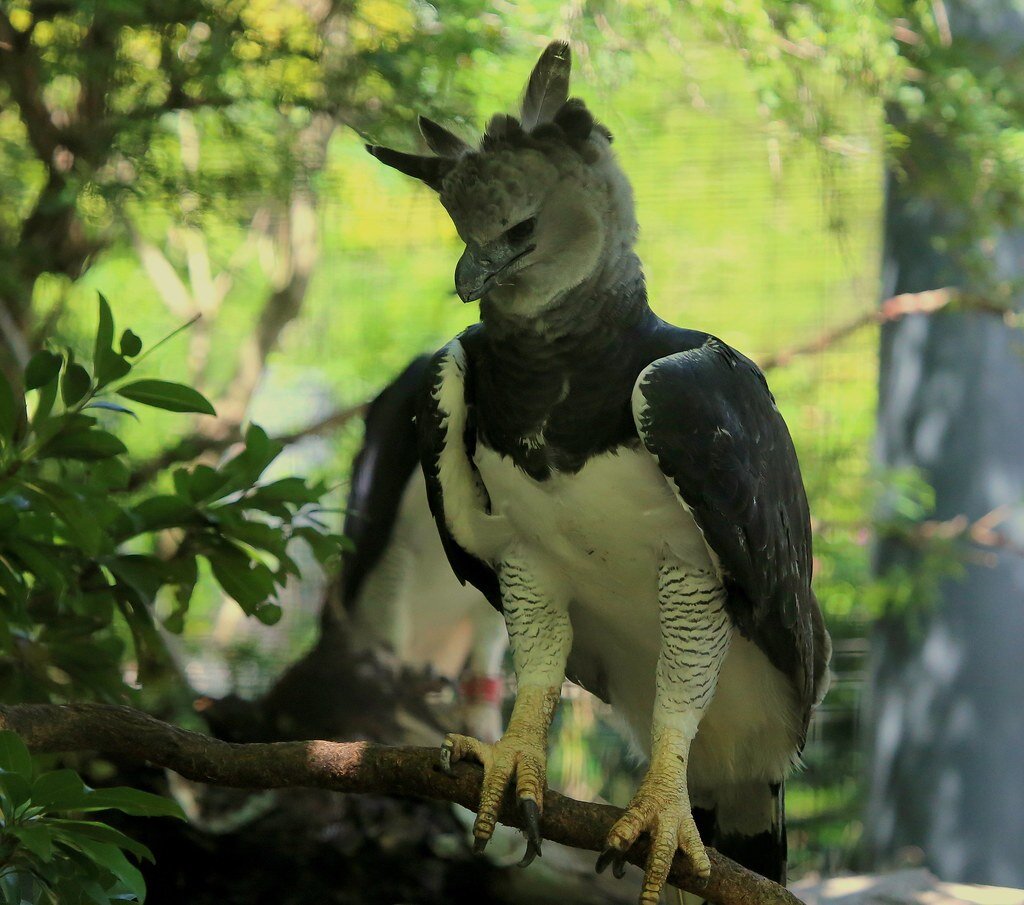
<point>695,636</point>
<point>540,637</point>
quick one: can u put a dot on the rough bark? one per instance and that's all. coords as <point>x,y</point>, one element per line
<point>342,767</point>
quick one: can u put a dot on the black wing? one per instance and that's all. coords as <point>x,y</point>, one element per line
<point>380,473</point>
<point>434,435</point>
<point>708,417</point>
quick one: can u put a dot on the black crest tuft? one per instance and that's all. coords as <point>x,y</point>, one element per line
<point>575,120</point>
<point>441,141</point>
<point>502,128</point>
<point>430,170</point>
<point>548,87</point>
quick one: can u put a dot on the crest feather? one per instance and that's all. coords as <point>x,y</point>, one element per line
<point>430,170</point>
<point>440,140</point>
<point>548,87</point>
<point>501,127</point>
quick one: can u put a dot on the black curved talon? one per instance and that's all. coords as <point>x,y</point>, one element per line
<point>614,857</point>
<point>479,844</point>
<point>531,852</point>
<point>529,810</point>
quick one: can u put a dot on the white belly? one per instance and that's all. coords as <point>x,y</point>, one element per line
<point>604,529</point>
<point>602,532</point>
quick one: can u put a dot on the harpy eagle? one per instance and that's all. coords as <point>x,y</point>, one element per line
<point>625,491</point>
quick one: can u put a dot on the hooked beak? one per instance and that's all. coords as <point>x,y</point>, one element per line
<point>471,277</point>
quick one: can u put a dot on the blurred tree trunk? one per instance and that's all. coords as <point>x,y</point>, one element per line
<point>946,681</point>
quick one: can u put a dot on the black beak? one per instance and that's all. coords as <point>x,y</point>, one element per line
<point>471,277</point>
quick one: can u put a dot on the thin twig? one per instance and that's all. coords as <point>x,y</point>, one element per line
<point>345,767</point>
<point>195,445</point>
<point>892,309</point>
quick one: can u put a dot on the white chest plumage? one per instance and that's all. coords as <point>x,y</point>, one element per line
<point>604,528</point>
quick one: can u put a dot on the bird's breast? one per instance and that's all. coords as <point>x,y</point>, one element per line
<point>611,520</point>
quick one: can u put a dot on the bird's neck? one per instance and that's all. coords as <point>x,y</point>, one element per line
<point>588,318</point>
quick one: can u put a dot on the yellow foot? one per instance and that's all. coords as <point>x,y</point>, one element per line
<point>662,811</point>
<point>511,755</point>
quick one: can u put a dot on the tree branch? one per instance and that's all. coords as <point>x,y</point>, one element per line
<point>344,767</point>
<point>892,309</point>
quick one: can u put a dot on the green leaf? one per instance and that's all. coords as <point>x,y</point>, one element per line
<point>325,547</point>
<point>143,574</point>
<point>201,484</point>
<point>74,384</point>
<point>110,368</point>
<point>112,407</point>
<point>14,756</point>
<point>91,829</point>
<point>42,563</point>
<point>131,345</point>
<point>59,790</point>
<point>130,801</point>
<point>248,583</point>
<point>288,490</point>
<point>166,511</point>
<point>104,332</point>
<point>41,369</point>
<point>67,423</point>
<point>112,858</point>
<point>37,838</point>
<point>162,394</point>
<point>86,446</point>
<point>269,613</point>
<point>81,524</point>
<point>47,396</point>
<point>8,410</point>
<point>15,787</point>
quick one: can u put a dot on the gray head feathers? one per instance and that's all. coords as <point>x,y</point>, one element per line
<point>550,120</point>
<point>548,87</point>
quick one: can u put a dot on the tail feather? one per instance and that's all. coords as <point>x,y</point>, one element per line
<point>763,851</point>
<point>749,826</point>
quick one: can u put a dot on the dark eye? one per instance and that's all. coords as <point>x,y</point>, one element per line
<point>521,231</point>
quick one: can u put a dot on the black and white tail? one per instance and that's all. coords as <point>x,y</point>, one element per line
<point>749,828</point>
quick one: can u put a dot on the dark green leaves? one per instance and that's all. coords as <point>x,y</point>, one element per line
<point>249,583</point>
<point>41,369</point>
<point>86,446</point>
<point>84,570</point>
<point>162,394</point>
<point>47,843</point>
<point>108,364</point>
<point>74,384</point>
<point>131,345</point>
<point>14,756</point>
<point>8,410</point>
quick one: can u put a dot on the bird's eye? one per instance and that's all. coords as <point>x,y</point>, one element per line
<point>521,231</point>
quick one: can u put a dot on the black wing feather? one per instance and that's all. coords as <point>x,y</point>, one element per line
<point>433,436</point>
<point>713,425</point>
<point>380,473</point>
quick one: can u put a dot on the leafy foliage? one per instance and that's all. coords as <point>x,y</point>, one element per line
<point>82,558</point>
<point>50,851</point>
<point>948,78</point>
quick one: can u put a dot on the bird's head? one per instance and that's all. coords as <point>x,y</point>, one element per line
<point>541,204</point>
